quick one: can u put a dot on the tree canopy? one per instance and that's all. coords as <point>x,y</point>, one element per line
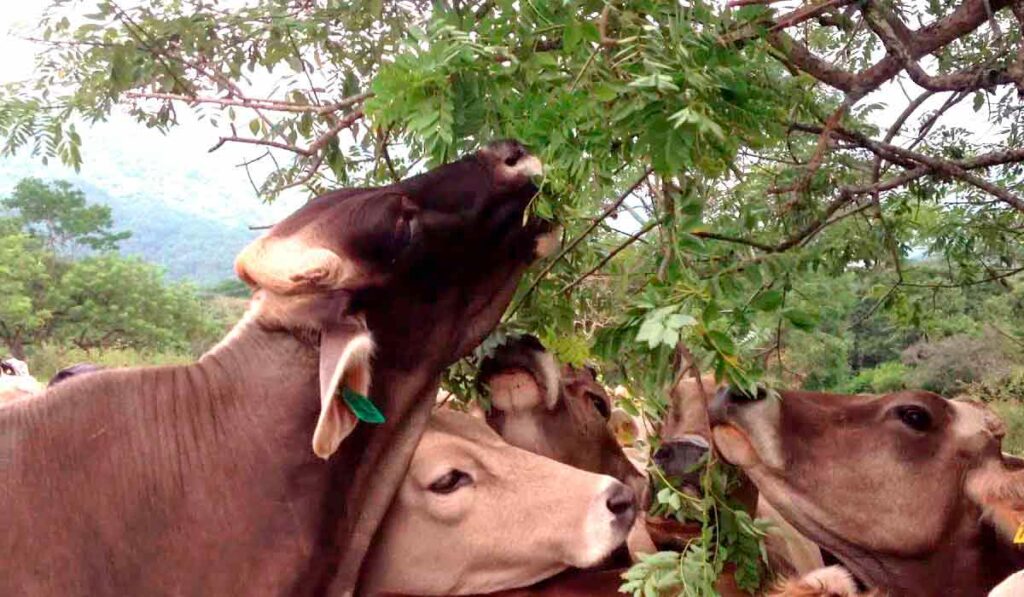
<point>100,299</point>
<point>713,163</point>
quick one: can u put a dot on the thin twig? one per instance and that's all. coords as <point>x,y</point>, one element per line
<point>604,215</point>
<point>611,254</point>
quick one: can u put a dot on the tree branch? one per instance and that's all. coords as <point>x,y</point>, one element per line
<point>967,17</point>
<point>254,103</point>
<point>611,254</point>
<point>313,148</point>
<point>604,215</point>
<point>885,26</point>
<point>957,169</point>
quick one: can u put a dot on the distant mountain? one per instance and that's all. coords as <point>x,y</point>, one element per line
<point>187,245</point>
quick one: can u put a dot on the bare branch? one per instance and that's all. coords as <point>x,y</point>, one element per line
<point>314,147</point>
<point>957,169</point>
<point>254,103</point>
<point>611,254</point>
<point>600,218</point>
<point>885,26</point>
<point>967,17</point>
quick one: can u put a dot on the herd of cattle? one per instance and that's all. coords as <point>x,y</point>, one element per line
<point>252,471</point>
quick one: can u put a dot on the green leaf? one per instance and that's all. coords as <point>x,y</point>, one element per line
<point>768,300</point>
<point>801,319</point>
<point>722,342</point>
<point>572,35</point>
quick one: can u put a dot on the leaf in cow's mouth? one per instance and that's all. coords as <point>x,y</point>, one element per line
<point>362,407</point>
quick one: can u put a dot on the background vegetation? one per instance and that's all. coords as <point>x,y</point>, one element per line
<point>67,295</point>
<point>772,191</point>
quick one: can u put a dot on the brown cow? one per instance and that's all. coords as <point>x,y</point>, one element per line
<point>476,515</point>
<point>558,412</point>
<point>686,444</point>
<point>199,479</point>
<point>909,490</point>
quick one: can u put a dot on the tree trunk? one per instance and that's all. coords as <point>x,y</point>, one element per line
<point>17,346</point>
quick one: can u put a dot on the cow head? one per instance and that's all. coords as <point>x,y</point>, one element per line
<point>406,277</point>
<point>893,485</point>
<point>558,412</point>
<point>686,434</point>
<point>476,515</point>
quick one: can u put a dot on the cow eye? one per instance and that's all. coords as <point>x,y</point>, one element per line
<point>599,404</point>
<point>450,481</point>
<point>914,417</point>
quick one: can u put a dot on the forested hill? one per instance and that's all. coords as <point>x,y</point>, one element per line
<point>188,245</point>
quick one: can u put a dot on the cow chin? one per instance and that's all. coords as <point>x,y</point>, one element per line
<point>602,533</point>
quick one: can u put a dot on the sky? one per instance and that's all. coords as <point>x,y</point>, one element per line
<point>132,159</point>
<point>123,157</point>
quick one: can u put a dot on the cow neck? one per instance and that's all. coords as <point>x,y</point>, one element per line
<point>208,465</point>
<point>968,560</point>
<point>964,564</point>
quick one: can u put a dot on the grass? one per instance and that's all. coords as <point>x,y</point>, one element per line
<point>47,359</point>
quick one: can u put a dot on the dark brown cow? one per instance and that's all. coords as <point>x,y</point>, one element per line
<point>199,479</point>
<point>909,490</point>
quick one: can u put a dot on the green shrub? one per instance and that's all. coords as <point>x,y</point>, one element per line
<point>949,365</point>
<point>994,388</point>
<point>886,377</point>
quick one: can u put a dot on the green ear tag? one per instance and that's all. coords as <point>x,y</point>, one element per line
<point>362,406</point>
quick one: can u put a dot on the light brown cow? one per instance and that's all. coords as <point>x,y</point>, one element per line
<point>1013,586</point>
<point>476,515</point>
<point>16,382</point>
<point>909,490</point>
<point>16,387</point>
<point>560,412</point>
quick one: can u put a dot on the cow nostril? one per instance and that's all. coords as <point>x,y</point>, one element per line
<point>622,501</point>
<point>663,454</point>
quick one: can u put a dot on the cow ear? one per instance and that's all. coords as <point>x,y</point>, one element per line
<point>999,491</point>
<point>344,368</point>
<point>287,266</point>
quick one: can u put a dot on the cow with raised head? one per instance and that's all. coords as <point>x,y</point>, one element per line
<point>909,490</point>
<point>248,472</point>
<point>476,515</point>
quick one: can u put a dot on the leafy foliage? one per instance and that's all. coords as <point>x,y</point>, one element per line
<point>57,214</point>
<point>728,537</point>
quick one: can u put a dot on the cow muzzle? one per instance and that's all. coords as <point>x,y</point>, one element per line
<point>684,459</point>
